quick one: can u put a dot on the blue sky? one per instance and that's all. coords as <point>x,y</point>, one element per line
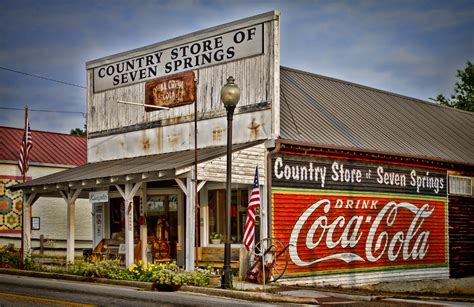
<point>408,47</point>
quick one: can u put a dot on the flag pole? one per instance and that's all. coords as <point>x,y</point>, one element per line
<point>26,127</point>
<point>22,253</point>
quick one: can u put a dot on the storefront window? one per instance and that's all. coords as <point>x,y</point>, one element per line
<point>216,204</point>
<point>162,217</point>
<point>117,217</point>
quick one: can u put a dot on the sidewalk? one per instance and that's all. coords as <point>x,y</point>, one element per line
<point>296,294</point>
<point>453,290</point>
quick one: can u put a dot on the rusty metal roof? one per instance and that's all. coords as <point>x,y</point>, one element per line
<point>48,147</point>
<point>144,168</point>
<point>322,111</point>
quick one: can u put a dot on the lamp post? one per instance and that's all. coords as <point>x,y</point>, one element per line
<point>230,95</point>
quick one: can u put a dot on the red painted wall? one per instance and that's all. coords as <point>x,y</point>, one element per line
<point>387,232</point>
<point>346,227</point>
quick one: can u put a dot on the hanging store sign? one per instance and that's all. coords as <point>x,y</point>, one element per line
<point>98,197</point>
<point>173,91</point>
<point>340,215</point>
<point>212,50</point>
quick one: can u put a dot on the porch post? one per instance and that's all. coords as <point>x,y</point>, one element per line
<point>70,199</point>
<point>190,221</point>
<point>28,201</point>
<point>130,191</point>
<point>128,226</point>
<point>143,225</point>
<point>71,231</point>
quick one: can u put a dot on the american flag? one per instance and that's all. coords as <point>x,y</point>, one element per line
<point>254,202</point>
<point>26,145</point>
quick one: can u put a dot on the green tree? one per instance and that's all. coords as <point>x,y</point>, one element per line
<point>78,131</point>
<point>463,97</point>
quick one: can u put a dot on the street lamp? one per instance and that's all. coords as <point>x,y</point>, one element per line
<point>230,95</point>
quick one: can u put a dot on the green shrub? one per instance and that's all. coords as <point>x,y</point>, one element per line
<point>168,274</point>
<point>162,274</point>
<point>9,256</point>
<point>199,279</point>
<point>100,269</point>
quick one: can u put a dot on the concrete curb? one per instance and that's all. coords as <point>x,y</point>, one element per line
<point>238,294</point>
<point>125,283</point>
<point>254,296</point>
<point>396,295</point>
<point>45,275</point>
<point>353,297</point>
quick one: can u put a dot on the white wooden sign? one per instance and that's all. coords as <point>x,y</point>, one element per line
<point>98,197</point>
<point>98,223</point>
<point>217,49</point>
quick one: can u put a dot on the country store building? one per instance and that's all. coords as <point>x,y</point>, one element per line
<point>364,185</point>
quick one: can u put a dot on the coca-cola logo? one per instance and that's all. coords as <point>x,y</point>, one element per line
<point>396,232</point>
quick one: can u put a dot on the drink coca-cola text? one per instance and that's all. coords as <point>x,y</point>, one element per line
<point>382,240</point>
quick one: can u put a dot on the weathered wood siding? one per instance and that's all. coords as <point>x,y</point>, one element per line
<point>243,166</point>
<point>114,128</point>
<point>251,74</point>
<point>461,236</point>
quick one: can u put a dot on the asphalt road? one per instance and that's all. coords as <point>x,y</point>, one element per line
<point>30,291</point>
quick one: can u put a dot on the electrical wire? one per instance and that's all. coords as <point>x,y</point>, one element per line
<point>41,77</point>
<point>46,111</point>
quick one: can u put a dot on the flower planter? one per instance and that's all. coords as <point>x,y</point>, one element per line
<point>215,281</point>
<point>215,241</point>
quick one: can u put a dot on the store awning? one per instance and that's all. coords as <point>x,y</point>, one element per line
<point>145,168</point>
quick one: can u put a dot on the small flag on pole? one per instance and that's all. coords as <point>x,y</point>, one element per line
<point>254,203</point>
<point>26,145</point>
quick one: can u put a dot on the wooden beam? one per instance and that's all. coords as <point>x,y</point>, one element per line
<point>121,191</point>
<point>135,188</point>
<point>182,171</point>
<point>201,185</point>
<point>73,184</point>
<point>130,177</point>
<point>182,186</point>
<point>70,198</point>
<point>28,200</point>
<point>130,191</point>
<point>32,198</point>
<point>75,195</point>
<point>167,173</point>
<point>190,223</point>
<point>64,195</point>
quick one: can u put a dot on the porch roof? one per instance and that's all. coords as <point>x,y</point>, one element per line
<point>144,168</point>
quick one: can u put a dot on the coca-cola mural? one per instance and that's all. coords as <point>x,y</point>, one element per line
<point>342,215</point>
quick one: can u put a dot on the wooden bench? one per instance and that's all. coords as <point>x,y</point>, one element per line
<point>109,249</point>
<point>214,256</point>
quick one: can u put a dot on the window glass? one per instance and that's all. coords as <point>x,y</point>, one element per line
<point>459,185</point>
<point>216,205</point>
<point>162,217</point>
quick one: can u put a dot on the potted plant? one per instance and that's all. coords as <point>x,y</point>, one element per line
<point>216,237</point>
<point>168,277</point>
<point>213,274</point>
